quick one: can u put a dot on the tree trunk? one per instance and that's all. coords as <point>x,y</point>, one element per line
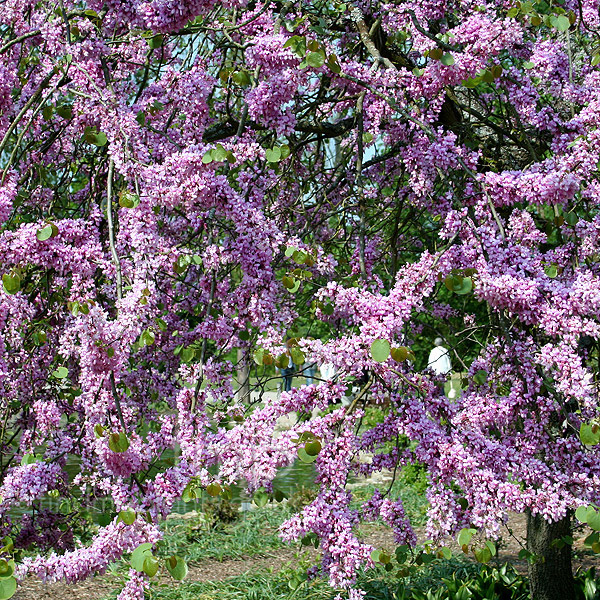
<point>550,572</point>
<point>243,377</point>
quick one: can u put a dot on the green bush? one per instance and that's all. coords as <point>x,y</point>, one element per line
<point>302,497</point>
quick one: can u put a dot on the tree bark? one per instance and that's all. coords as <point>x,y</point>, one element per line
<point>551,571</point>
<point>243,377</point>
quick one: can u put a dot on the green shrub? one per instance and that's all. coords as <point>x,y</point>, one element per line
<point>302,497</point>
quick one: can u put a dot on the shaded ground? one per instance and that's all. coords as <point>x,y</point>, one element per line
<point>213,570</point>
<point>99,587</point>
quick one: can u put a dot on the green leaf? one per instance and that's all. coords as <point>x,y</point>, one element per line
<point>273,155</point>
<point>282,361</point>
<point>155,41</point>
<point>45,233</point>
<point>327,309</point>
<point>299,257</point>
<point>65,111</point>
<point>177,567</point>
<point>480,377</point>
<point>528,65</point>
<point>446,553</point>
<point>60,373</point>
<point>333,64</point>
<point>213,489</point>
<point>380,350</point>
<point>465,535</point>
<point>316,59</point>
<point>401,553</point>
<point>571,218</point>
<point>483,555</point>
<point>7,568</point>
<point>150,566</point>
<point>313,447</point>
<point>128,516</point>
<point>207,158</point>
<point>258,356</point>
<point>561,23</point>
<point>459,284</point>
<point>593,518</point>
<point>139,555</point>
<point>100,139</point>
<point>28,459</point>
<point>295,582</point>
<point>187,355</point>
<point>487,76</point>
<point>305,457</point>
<point>118,442</point>
<point>491,547</point>
<point>525,554</point>
<point>244,335</point>
<point>453,281</point>
<point>587,435</point>
<point>298,356</point>
<point>7,588</point>
<point>447,59</point>
<point>465,288</point>
<point>129,199</point>
<point>260,498</point>
<point>219,154</point>
<point>298,45</point>
<point>241,78</point>
<point>595,59</point>
<point>148,337</point>
<point>11,283</point>
<point>551,270</point>
<point>104,519</point>
<point>472,82</point>
<point>497,71</point>
<point>581,513</point>
<point>189,493</point>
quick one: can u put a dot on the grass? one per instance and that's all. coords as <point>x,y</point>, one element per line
<point>288,584</point>
<point>253,534</point>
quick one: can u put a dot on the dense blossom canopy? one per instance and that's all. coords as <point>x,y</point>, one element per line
<point>183,184</point>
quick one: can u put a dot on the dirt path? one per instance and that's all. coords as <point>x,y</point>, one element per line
<point>99,587</point>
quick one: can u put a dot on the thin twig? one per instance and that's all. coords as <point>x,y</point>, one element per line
<point>21,38</point>
<point>369,44</point>
<point>25,108</point>
<point>359,396</point>
<point>429,35</point>
<point>115,393</point>
<point>111,229</point>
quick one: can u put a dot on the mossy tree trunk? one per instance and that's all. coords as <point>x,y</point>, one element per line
<point>551,571</point>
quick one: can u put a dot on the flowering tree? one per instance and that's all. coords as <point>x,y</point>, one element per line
<point>183,182</point>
